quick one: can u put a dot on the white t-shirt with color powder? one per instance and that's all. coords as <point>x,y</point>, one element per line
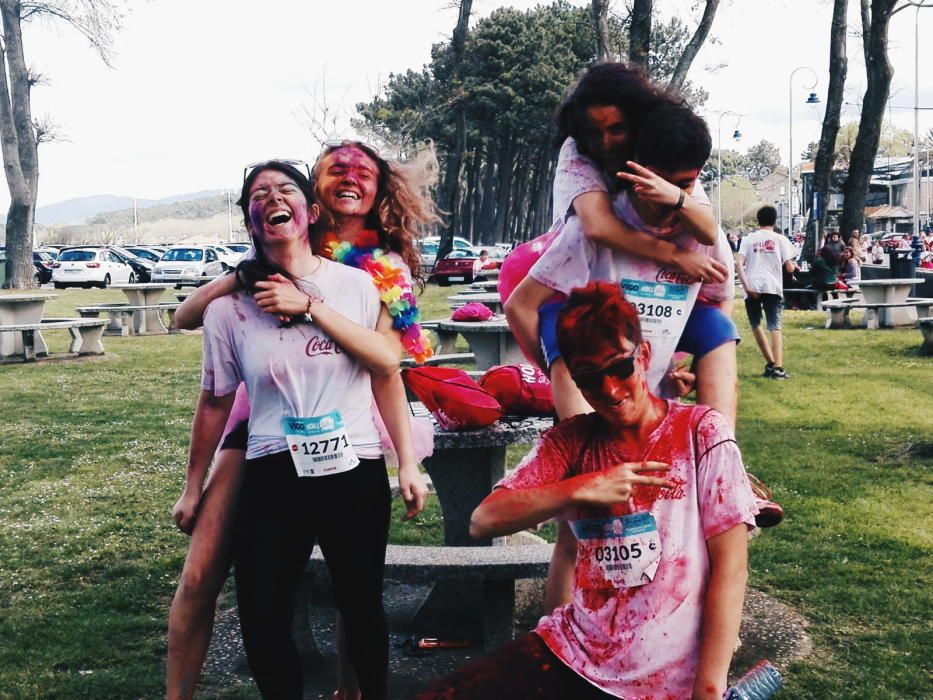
<point>663,295</point>
<point>643,642</point>
<point>765,253</point>
<point>297,371</point>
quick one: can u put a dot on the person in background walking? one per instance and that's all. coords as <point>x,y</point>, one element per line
<point>759,264</point>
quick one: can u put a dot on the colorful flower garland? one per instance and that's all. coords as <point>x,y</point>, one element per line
<point>394,288</point>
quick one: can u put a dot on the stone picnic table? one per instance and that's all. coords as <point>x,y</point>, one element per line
<point>472,581</point>
<point>891,291</point>
<point>146,321</point>
<point>22,309</point>
<point>491,342</point>
<point>464,468</point>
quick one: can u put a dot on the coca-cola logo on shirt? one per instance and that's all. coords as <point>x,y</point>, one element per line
<point>322,346</point>
<point>666,274</point>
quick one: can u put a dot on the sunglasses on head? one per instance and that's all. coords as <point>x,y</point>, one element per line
<point>592,380</point>
<point>367,148</point>
<point>296,164</point>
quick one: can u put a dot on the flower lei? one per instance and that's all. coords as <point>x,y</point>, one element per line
<point>394,288</point>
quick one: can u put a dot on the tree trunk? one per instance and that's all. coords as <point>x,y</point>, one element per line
<point>826,152</point>
<point>600,9</point>
<point>639,33</point>
<point>487,212</point>
<point>20,156</point>
<point>504,194</point>
<point>455,160</point>
<point>879,72</point>
<point>693,46</point>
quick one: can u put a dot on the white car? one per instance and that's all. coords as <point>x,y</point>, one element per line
<point>459,243</point>
<point>427,252</point>
<point>83,267</point>
<point>228,257</point>
<point>187,265</point>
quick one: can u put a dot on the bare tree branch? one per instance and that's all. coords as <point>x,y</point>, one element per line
<point>693,46</point>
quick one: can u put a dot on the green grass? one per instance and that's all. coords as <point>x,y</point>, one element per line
<point>92,458</point>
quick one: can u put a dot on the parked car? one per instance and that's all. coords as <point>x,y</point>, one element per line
<point>141,266</point>
<point>459,243</point>
<point>187,265</point>
<point>146,252</point>
<point>43,261</point>
<point>86,266</point>
<point>53,249</point>
<point>228,258</point>
<point>457,266</point>
<point>241,248</point>
<point>428,253</point>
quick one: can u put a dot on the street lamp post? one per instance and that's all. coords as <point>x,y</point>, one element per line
<point>811,100</point>
<point>736,135</point>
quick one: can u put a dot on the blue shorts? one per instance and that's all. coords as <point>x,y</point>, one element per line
<point>707,328</point>
<point>772,305</point>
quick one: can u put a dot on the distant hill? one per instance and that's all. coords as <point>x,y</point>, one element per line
<point>80,209</point>
<point>191,217</point>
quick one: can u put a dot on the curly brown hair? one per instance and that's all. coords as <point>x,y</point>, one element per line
<point>404,206</point>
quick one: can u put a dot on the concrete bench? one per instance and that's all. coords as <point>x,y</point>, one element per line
<point>837,313</point>
<point>488,572</point>
<point>926,328</point>
<point>446,340</point>
<point>85,335</point>
<point>127,319</point>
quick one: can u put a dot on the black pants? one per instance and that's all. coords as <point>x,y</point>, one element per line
<point>278,521</point>
<point>523,669</point>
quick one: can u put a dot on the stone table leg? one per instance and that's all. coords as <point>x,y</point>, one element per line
<point>462,479</point>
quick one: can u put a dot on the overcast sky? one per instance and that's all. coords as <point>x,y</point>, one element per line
<point>200,88</point>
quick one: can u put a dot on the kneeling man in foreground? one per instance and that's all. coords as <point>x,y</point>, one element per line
<point>657,497</point>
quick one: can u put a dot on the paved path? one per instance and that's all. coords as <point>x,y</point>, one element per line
<point>770,629</point>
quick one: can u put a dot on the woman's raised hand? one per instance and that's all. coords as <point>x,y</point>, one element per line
<point>650,186</point>
<point>278,295</point>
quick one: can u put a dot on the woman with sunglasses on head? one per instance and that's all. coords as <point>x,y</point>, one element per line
<point>360,193</point>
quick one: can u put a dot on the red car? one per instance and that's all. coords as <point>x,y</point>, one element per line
<point>457,267</point>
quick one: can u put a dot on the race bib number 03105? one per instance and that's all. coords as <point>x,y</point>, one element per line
<point>319,445</point>
<point>625,549</point>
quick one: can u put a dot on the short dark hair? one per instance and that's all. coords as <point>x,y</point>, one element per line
<point>606,84</point>
<point>767,215</point>
<point>673,137</point>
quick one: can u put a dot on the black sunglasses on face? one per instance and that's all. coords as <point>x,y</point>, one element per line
<point>593,380</point>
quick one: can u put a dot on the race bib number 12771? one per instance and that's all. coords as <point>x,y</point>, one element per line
<point>319,444</point>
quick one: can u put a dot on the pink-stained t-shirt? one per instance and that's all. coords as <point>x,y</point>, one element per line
<point>297,371</point>
<point>663,295</point>
<point>643,642</point>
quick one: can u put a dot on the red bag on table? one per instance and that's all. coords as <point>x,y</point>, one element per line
<point>453,398</point>
<point>522,390</point>
<point>474,311</point>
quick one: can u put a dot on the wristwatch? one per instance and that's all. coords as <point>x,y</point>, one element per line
<point>307,316</point>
